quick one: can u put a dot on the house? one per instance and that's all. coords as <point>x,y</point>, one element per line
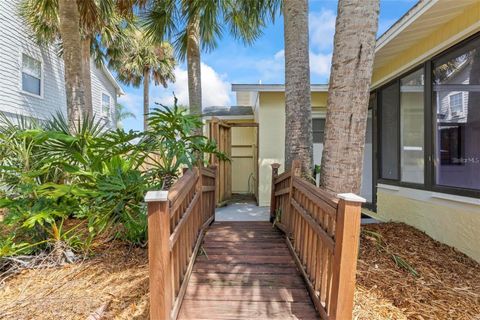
<point>422,156</point>
<point>32,77</point>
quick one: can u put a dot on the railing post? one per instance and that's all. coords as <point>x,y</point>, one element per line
<point>215,168</point>
<point>347,237</point>
<point>159,254</point>
<point>275,167</point>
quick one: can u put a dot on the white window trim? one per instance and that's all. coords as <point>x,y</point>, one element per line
<point>42,71</point>
<point>461,113</point>
<point>109,116</point>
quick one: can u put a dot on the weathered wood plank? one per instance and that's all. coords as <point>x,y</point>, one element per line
<point>192,309</point>
<point>242,293</point>
<point>245,272</point>
<point>245,268</point>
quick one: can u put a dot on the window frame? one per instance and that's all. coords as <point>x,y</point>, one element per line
<point>430,117</point>
<point>109,115</point>
<point>41,96</point>
<point>454,94</point>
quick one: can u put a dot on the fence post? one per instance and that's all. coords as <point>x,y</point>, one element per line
<point>214,205</point>
<point>159,254</point>
<point>275,167</point>
<point>347,237</point>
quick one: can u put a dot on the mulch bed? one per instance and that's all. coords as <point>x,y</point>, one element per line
<point>114,283</point>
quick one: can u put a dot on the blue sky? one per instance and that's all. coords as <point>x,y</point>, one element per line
<point>233,62</point>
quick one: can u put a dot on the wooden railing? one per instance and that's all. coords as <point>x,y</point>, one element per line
<point>177,220</point>
<point>322,232</point>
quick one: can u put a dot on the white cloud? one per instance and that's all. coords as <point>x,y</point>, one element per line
<point>320,64</point>
<point>271,70</point>
<point>322,30</point>
<point>215,89</point>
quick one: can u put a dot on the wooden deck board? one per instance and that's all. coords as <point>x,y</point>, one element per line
<point>246,272</point>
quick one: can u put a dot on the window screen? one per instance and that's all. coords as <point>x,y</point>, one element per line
<point>389,113</point>
<point>318,128</point>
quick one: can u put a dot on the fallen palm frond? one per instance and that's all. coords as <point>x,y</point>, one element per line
<point>399,261</point>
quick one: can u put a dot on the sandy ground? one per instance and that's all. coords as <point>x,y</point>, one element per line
<point>114,283</point>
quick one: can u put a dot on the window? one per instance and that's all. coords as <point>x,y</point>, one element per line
<point>105,105</point>
<point>31,75</point>
<point>412,127</point>
<point>389,115</point>
<point>456,89</point>
<point>456,104</point>
<point>318,128</point>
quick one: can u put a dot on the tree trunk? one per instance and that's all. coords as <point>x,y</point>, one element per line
<point>146,98</point>
<point>193,64</point>
<point>74,87</point>
<point>348,94</point>
<point>298,106</point>
<point>87,77</point>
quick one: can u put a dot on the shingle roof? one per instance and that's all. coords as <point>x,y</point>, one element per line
<point>228,111</point>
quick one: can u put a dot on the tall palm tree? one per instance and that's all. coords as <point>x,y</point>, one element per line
<point>348,95</point>
<point>98,24</point>
<point>197,25</point>
<point>69,29</point>
<point>121,113</point>
<point>298,106</point>
<point>142,61</point>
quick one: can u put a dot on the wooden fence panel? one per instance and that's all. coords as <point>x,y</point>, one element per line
<point>322,232</point>
<point>177,220</point>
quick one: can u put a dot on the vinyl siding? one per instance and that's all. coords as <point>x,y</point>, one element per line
<point>15,39</point>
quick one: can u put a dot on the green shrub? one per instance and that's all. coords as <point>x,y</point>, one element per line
<point>94,177</point>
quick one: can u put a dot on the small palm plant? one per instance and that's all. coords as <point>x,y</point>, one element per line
<point>121,113</point>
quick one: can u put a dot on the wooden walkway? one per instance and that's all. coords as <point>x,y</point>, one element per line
<point>247,272</point>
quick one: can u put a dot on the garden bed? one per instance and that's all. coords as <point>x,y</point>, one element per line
<point>114,282</point>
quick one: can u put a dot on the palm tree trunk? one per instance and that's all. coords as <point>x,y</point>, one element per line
<point>298,114</point>
<point>146,98</point>
<point>348,94</point>
<point>87,77</point>
<point>70,33</point>
<point>194,65</point>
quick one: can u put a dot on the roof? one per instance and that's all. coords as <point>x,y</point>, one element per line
<point>273,87</point>
<point>218,111</point>
<point>112,79</point>
<point>422,20</point>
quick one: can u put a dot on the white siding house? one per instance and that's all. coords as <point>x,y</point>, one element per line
<point>32,77</point>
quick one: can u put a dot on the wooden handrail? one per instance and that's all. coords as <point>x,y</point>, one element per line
<point>322,232</point>
<point>177,220</point>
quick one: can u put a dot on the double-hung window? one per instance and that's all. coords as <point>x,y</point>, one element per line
<point>31,75</point>
<point>106,106</point>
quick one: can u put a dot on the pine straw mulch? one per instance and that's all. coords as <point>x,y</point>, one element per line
<point>114,283</point>
<point>448,285</point>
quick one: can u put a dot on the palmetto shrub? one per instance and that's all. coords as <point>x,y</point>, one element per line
<point>90,176</point>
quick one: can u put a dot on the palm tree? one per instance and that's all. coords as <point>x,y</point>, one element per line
<point>142,61</point>
<point>197,25</point>
<point>298,106</point>
<point>69,30</point>
<point>97,24</point>
<point>348,95</point>
<point>121,113</point>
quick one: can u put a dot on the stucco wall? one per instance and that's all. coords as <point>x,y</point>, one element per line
<point>449,219</point>
<point>271,119</point>
<point>452,31</point>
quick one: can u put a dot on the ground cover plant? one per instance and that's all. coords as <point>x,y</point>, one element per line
<point>63,187</point>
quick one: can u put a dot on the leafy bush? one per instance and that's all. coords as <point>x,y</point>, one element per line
<point>94,177</point>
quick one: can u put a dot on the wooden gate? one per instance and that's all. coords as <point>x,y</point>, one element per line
<point>220,132</point>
